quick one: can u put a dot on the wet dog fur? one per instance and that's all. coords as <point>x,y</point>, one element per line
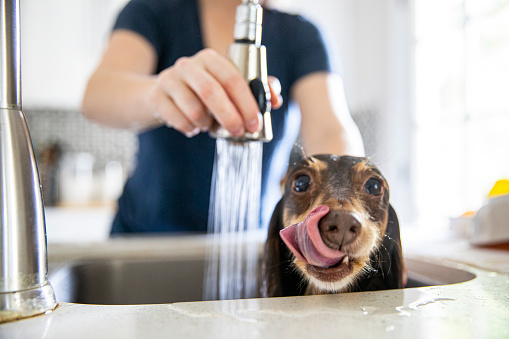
<point>344,184</point>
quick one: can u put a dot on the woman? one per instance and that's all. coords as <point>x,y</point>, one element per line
<point>165,74</point>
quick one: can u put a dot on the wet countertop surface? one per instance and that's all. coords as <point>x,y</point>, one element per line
<point>475,309</point>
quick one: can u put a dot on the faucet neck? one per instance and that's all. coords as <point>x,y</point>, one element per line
<point>10,83</point>
<point>248,23</point>
<point>24,289</point>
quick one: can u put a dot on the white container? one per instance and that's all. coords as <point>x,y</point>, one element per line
<point>491,223</point>
<point>77,178</point>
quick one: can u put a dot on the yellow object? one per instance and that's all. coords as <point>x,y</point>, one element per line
<point>501,188</point>
<point>468,214</point>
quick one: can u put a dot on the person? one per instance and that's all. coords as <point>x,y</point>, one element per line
<point>165,74</point>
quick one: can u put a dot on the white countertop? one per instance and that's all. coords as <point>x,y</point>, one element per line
<point>475,309</point>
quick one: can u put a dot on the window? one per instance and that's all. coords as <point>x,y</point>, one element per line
<point>461,139</point>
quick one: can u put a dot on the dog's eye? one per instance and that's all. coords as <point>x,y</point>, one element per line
<point>373,186</point>
<point>301,183</point>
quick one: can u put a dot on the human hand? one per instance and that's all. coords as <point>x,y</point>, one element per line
<point>207,86</point>
<point>276,100</point>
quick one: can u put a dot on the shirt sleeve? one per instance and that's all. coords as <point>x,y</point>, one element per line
<point>309,50</point>
<point>141,17</point>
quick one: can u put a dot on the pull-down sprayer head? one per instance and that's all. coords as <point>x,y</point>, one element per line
<point>250,57</point>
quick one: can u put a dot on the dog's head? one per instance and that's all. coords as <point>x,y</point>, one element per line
<point>333,216</point>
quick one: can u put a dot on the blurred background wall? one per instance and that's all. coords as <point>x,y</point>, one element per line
<point>424,80</point>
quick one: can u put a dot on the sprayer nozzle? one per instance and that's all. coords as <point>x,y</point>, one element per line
<point>264,134</point>
<point>252,63</point>
<point>250,57</point>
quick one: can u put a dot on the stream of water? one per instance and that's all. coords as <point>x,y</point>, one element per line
<point>234,213</point>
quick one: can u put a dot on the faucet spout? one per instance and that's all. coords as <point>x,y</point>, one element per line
<point>24,288</point>
<point>250,57</point>
<point>10,94</point>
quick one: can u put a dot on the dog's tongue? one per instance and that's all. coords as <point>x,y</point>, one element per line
<point>304,240</point>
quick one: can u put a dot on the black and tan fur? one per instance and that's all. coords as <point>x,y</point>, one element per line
<point>374,254</point>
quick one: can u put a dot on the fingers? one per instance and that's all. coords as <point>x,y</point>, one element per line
<point>166,111</point>
<point>200,78</point>
<point>235,87</point>
<point>207,86</point>
<point>276,99</point>
<point>185,100</point>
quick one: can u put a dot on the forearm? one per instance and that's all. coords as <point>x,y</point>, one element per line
<point>333,139</point>
<point>119,99</point>
<point>327,126</point>
<point>187,96</point>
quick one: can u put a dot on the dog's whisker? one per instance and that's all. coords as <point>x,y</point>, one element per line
<point>389,262</point>
<point>396,246</point>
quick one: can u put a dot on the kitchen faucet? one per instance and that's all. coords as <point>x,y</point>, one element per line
<point>24,288</point>
<point>250,57</point>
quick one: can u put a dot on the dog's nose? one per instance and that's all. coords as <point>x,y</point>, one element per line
<point>340,228</point>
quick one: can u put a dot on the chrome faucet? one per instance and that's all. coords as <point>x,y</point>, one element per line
<point>250,57</point>
<point>24,288</point>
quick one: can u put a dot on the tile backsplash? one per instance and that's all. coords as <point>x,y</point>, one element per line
<point>76,134</point>
<point>66,143</point>
<point>81,162</point>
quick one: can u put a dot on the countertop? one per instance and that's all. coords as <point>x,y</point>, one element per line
<point>475,309</point>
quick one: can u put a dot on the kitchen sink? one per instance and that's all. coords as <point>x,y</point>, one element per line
<point>130,281</point>
<point>126,281</point>
<point>423,273</point>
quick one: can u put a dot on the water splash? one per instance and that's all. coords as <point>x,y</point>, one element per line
<point>421,303</point>
<point>402,312</point>
<point>231,272</point>
<point>407,310</point>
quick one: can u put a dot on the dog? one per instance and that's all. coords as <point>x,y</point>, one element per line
<point>332,231</point>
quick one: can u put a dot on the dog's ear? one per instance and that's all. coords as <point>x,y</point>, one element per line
<point>279,279</point>
<point>271,276</point>
<point>296,156</point>
<point>393,239</point>
<point>387,262</point>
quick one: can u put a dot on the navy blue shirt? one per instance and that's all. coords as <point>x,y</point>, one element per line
<point>169,189</point>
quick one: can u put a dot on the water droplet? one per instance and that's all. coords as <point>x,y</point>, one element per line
<point>444,299</point>
<point>389,328</point>
<point>402,311</point>
<point>366,310</point>
<point>421,303</point>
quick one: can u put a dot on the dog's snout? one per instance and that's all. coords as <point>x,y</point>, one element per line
<point>340,228</point>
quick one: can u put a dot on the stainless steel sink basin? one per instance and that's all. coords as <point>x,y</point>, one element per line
<point>128,281</point>
<point>424,273</point>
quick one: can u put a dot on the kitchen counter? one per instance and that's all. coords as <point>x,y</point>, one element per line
<point>475,309</point>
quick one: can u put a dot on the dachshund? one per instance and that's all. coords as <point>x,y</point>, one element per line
<point>333,230</point>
